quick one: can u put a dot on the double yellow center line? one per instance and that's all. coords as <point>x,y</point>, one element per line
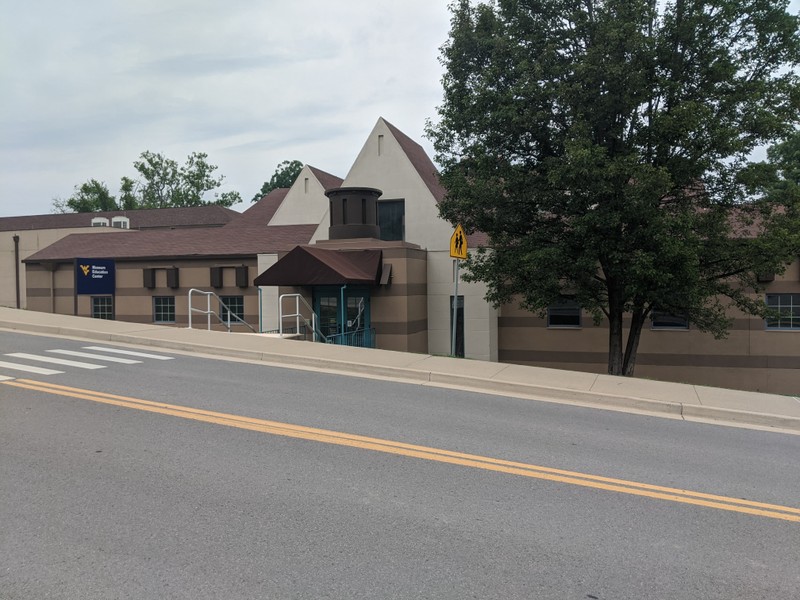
<point>435,454</point>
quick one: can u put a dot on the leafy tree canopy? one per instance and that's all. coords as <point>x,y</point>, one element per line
<point>284,176</point>
<point>91,196</point>
<point>603,147</point>
<point>161,183</point>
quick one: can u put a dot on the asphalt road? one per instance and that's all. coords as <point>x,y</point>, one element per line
<point>103,496</point>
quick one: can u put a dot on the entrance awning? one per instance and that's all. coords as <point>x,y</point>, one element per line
<point>306,265</point>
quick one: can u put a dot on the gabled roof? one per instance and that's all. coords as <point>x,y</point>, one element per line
<point>261,212</point>
<point>211,215</point>
<point>309,265</point>
<point>420,161</point>
<point>327,180</point>
<point>177,243</point>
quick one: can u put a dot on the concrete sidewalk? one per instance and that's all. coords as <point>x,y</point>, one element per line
<point>690,402</point>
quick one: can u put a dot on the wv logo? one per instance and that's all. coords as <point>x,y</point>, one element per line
<point>85,269</point>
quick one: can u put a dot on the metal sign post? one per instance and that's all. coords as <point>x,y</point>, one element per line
<point>458,250</point>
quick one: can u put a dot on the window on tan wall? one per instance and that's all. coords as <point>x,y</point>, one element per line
<point>164,309</point>
<point>661,319</point>
<point>102,307</point>
<point>236,306</point>
<point>565,313</point>
<point>787,312</point>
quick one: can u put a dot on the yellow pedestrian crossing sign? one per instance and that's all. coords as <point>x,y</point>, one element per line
<point>458,243</point>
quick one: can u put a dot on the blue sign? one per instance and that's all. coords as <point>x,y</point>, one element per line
<point>95,276</point>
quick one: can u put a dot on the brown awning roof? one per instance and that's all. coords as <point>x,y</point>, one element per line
<point>307,265</point>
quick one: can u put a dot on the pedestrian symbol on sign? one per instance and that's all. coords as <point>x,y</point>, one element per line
<point>458,243</point>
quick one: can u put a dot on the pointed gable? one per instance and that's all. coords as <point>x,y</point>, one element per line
<point>261,212</point>
<point>305,201</point>
<point>420,160</point>
<point>327,180</point>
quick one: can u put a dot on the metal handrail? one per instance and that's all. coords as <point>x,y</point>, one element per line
<point>359,338</point>
<point>208,312</point>
<point>297,316</point>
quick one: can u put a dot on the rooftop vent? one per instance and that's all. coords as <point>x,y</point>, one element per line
<point>354,213</point>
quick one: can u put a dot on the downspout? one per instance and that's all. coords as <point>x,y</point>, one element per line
<point>343,311</point>
<point>260,311</point>
<point>16,266</point>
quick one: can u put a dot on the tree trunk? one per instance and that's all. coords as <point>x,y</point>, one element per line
<point>615,358</point>
<point>631,348</point>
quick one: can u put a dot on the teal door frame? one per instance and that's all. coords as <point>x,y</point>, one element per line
<point>347,317</point>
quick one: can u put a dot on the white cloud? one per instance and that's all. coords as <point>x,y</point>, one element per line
<point>87,86</point>
<point>90,85</point>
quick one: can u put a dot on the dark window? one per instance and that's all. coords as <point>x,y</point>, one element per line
<point>102,307</point>
<point>149,278</point>
<point>236,306</point>
<point>391,219</point>
<point>172,278</point>
<point>665,320</point>
<point>164,309</point>
<point>242,279</point>
<point>565,313</point>
<point>787,311</point>
<point>459,350</point>
<point>216,277</point>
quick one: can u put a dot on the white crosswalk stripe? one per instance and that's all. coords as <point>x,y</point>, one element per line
<point>56,361</point>
<point>114,359</point>
<point>129,352</point>
<point>94,360</point>
<point>28,368</point>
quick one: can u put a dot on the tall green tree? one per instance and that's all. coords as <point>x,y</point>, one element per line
<point>161,183</point>
<point>603,147</point>
<point>284,176</point>
<point>91,196</point>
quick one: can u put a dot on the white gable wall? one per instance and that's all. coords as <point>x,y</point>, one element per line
<point>383,164</point>
<point>305,202</point>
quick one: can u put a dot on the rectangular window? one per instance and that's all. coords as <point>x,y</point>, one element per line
<point>787,309</point>
<point>392,219</point>
<point>164,309</point>
<point>565,313</point>
<point>664,320</point>
<point>102,307</point>
<point>236,306</point>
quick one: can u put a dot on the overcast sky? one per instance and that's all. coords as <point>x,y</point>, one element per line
<point>87,85</point>
<point>90,84</point>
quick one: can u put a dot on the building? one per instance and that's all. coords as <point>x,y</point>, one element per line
<point>366,260</point>
<point>20,237</point>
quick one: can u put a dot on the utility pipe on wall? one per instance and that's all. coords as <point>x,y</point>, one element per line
<point>16,266</point>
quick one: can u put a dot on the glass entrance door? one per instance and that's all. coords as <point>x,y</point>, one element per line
<point>343,314</point>
<point>327,310</point>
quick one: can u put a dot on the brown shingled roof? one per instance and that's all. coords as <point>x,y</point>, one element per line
<point>261,212</point>
<point>309,265</point>
<point>190,216</point>
<point>327,180</point>
<point>178,243</point>
<point>420,160</point>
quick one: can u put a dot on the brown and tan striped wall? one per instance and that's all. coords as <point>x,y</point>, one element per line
<point>400,309</point>
<point>750,358</point>
<point>53,290</point>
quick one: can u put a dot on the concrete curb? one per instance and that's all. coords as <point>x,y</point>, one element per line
<point>146,335</point>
